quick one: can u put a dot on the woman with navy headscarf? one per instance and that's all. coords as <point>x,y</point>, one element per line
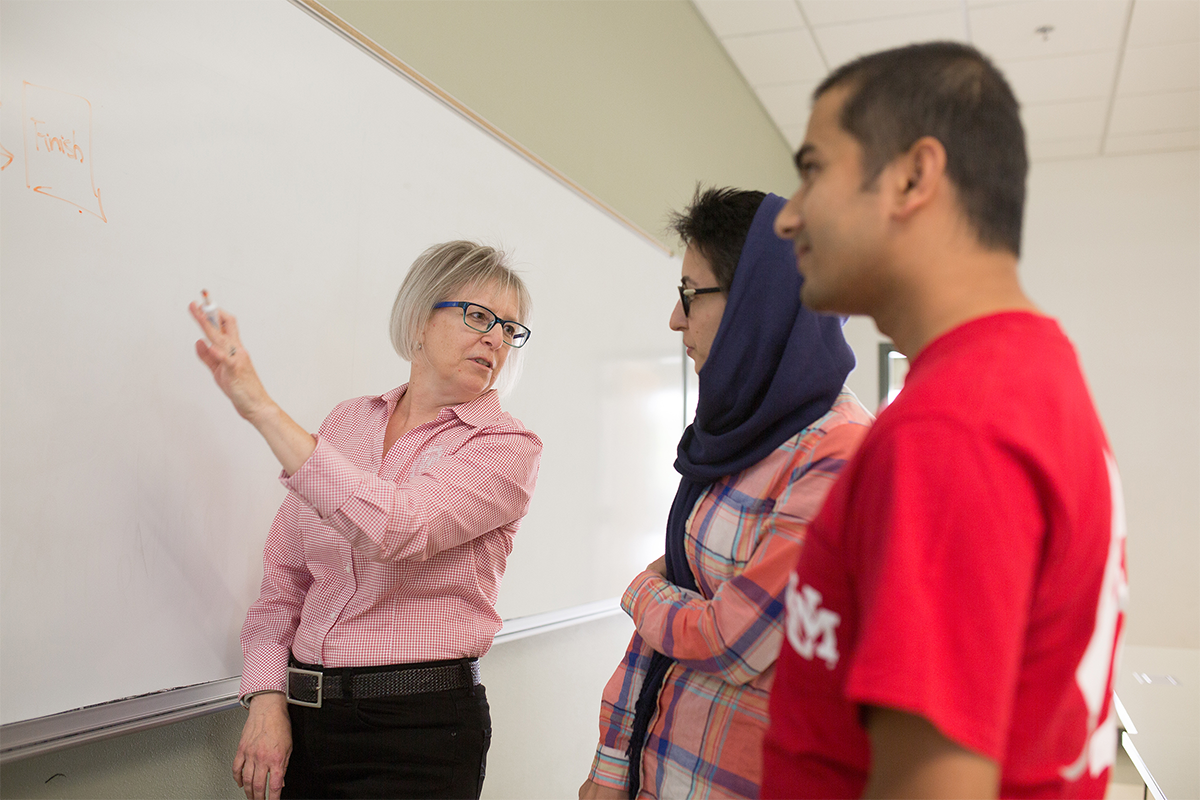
<point>685,712</point>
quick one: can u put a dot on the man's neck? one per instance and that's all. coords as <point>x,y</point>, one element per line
<point>937,294</point>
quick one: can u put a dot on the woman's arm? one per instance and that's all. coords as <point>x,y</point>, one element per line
<point>270,627</point>
<point>736,634</point>
<point>272,619</point>
<point>233,371</point>
<point>486,484</point>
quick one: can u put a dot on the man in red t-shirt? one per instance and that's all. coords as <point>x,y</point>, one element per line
<point>954,619</point>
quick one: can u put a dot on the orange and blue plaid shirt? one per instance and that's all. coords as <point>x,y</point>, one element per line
<point>743,540</point>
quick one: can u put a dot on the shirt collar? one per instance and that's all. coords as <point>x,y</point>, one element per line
<point>480,411</point>
<point>476,413</point>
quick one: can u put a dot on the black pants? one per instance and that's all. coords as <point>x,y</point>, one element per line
<point>414,746</point>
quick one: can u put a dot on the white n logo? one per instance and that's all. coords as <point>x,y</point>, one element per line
<point>810,628</point>
<point>1095,672</point>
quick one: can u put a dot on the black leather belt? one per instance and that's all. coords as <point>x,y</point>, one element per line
<point>312,685</point>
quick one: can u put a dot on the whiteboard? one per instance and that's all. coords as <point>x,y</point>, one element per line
<point>153,149</point>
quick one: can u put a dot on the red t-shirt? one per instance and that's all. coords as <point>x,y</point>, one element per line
<point>968,567</point>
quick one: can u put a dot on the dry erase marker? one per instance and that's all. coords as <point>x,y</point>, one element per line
<point>210,309</point>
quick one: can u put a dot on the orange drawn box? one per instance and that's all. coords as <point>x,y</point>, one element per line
<point>57,130</point>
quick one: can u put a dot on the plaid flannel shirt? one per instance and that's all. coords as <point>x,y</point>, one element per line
<point>743,540</point>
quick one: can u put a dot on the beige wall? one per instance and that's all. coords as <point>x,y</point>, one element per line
<point>1112,248</point>
<point>635,101</point>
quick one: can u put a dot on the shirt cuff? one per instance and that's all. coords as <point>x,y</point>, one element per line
<point>610,768</point>
<point>265,670</point>
<point>643,582</point>
<point>246,698</point>
<point>325,481</point>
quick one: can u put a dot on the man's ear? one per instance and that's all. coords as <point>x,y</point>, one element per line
<point>917,176</point>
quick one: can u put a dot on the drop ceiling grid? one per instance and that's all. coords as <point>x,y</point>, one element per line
<point>1101,77</point>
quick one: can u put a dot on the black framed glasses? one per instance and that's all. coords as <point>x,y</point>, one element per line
<point>483,319</point>
<point>686,295</point>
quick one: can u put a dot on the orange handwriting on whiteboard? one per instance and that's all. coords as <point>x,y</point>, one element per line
<point>57,127</point>
<point>6,156</point>
<point>61,144</point>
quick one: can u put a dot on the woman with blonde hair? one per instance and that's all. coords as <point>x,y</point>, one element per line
<point>382,567</point>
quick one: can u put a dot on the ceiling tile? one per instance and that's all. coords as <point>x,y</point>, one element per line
<point>1074,77</point>
<point>1174,111</point>
<point>773,58</point>
<point>1153,142</point>
<point>739,17</point>
<point>1008,32</point>
<point>845,41</point>
<point>1064,148</point>
<point>788,104</point>
<point>828,12</point>
<point>1160,68</point>
<point>1163,22</point>
<point>1073,120</point>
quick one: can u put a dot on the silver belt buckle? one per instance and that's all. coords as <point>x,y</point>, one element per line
<point>320,684</point>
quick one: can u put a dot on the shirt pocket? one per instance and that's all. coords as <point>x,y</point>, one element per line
<point>425,461</point>
<point>724,531</point>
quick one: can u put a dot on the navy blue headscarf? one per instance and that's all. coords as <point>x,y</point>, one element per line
<point>774,369</point>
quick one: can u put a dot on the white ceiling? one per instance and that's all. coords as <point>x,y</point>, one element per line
<point>1094,77</point>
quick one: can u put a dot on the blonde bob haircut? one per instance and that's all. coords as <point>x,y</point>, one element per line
<point>440,273</point>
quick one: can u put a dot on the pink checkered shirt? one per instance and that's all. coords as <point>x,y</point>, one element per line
<point>376,559</point>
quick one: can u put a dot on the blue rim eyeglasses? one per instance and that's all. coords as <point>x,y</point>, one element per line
<point>686,295</point>
<point>483,319</point>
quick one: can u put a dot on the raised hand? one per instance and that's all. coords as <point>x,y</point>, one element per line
<point>224,354</point>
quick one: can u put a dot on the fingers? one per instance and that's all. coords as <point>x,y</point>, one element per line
<point>244,778</point>
<point>260,783</point>
<point>204,351</point>
<point>252,772</point>
<point>226,334</point>
<point>228,323</point>
<point>274,785</point>
<point>202,320</point>
<point>267,784</point>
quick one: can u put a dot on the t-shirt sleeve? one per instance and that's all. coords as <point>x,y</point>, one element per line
<point>946,538</point>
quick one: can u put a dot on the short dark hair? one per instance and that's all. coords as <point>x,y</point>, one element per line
<point>716,224</point>
<point>952,92</point>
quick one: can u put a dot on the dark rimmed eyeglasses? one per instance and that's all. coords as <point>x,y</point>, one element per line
<point>483,319</point>
<point>686,295</point>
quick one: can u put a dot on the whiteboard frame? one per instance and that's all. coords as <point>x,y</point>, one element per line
<point>34,737</point>
<point>27,738</point>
